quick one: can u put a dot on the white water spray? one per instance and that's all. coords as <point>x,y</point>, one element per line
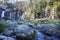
<point>2,13</point>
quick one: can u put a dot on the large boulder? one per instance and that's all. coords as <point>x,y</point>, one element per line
<point>6,38</point>
<point>57,33</point>
<point>2,24</point>
<point>47,28</point>
<point>10,25</point>
<point>24,32</point>
<point>51,38</point>
<point>9,28</point>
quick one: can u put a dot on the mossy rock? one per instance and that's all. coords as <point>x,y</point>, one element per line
<point>24,32</point>
<point>26,36</point>
<point>3,24</point>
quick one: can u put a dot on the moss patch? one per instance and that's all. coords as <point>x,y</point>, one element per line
<point>3,25</point>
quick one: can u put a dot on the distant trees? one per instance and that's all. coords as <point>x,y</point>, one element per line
<point>45,6</point>
<point>36,6</point>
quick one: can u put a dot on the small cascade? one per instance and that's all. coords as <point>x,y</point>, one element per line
<point>52,16</point>
<point>2,13</point>
<point>52,13</point>
<point>10,15</point>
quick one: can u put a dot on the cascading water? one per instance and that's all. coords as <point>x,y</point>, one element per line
<point>10,15</point>
<point>52,13</point>
<point>2,13</point>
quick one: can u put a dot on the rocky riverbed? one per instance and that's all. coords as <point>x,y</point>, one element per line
<point>29,31</point>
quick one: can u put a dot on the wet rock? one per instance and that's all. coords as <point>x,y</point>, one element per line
<point>2,25</point>
<point>46,29</point>
<point>9,38</point>
<point>14,37</point>
<point>50,30</point>
<point>3,37</point>
<point>6,38</point>
<point>11,22</point>
<point>10,25</point>
<point>51,38</point>
<point>39,35</point>
<point>24,32</point>
<point>30,24</point>
<point>7,32</point>
<point>57,33</point>
<point>9,28</point>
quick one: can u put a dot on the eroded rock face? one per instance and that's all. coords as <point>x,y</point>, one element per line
<point>6,38</point>
<point>24,32</point>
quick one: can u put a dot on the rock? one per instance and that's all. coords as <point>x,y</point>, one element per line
<point>39,35</point>
<point>13,36</point>
<point>57,33</point>
<point>2,25</point>
<point>11,22</point>
<point>9,38</point>
<point>9,28</point>
<point>3,37</point>
<point>30,24</point>
<point>10,25</point>
<point>51,38</point>
<point>46,28</point>
<point>6,38</point>
<point>24,32</point>
<point>7,32</point>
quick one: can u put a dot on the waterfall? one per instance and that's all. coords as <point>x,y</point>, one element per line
<point>2,13</point>
<point>52,13</point>
<point>10,15</point>
<point>46,14</point>
<point>52,16</point>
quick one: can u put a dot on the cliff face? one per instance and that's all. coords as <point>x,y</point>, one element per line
<point>7,11</point>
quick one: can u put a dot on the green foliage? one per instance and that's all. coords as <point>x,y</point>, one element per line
<point>51,21</point>
<point>36,6</point>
